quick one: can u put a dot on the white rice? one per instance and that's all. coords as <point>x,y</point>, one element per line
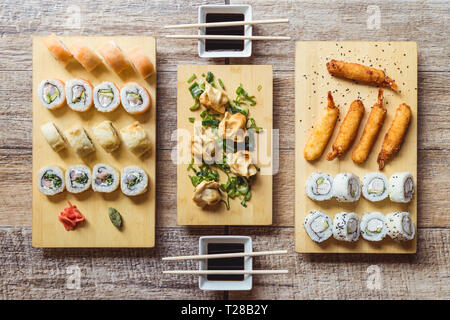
<point>375,186</point>
<point>58,100</point>
<point>399,226</point>
<point>373,226</point>
<point>85,102</point>
<point>134,88</point>
<point>78,178</point>
<point>318,226</point>
<point>346,187</point>
<point>104,178</point>
<point>346,226</point>
<point>50,180</point>
<point>401,187</point>
<point>134,181</point>
<point>319,186</point>
<point>103,101</point>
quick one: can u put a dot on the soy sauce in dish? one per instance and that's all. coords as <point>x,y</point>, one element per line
<point>214,45</point>
<point>225,264</point>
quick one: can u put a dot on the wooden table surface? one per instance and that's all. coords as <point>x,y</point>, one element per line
<point>28,273</point>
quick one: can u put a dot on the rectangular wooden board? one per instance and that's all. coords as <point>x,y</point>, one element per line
<point>312,82</point>
<point>259,208</point>
<point>138,213</point>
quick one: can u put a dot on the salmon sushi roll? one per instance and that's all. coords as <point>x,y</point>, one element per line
<point>51,93</point>
<point>79,95</point>
<point>135,98</point>
<point>114,57</point>
<point>106,97</point>
<point>85,55</point>
<point>140,62</point>
<point>58,49</point>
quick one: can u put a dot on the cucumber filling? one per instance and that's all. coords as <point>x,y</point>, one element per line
<point>50,93</point>
<point>376,186</point>
<point>78,94</point>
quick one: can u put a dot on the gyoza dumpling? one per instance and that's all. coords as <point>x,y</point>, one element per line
<point>207,194</point>
<point>203,143</point>
<point>233,127</point>
<point>213,99</point>
<point>241,164</point>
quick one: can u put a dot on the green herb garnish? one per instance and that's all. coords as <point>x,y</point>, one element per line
<point>115,217</point>
<point>191,119</point>
<point>192,78</point>
<point>221,83</point>
<point>195,90</point>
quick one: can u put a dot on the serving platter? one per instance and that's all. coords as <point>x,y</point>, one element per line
<point>259,208</point>
<point>138,213</point>
<point>312,82</point>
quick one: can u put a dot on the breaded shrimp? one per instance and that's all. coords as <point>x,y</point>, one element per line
<point>348,130</point>
<point>394,137</point>
<point>323,129</point>
<point>359,72</point>
<point>371,130</point>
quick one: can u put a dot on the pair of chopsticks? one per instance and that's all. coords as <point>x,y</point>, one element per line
<point>226,24</point>
<point>222,256</point>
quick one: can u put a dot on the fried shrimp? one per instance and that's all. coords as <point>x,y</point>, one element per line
<point>321,134</point>
<point>348,130</point>
<point>359,72</point>
<point>396,134</point>
<point>371,130</point>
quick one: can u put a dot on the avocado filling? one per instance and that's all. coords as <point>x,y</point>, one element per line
<point>78,94</point>
<point>105,97</point>
<point>50,93</point>
<point>134,98</point>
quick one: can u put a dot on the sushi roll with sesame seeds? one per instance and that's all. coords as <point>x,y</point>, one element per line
<point>318,226</point>
<point>346,187</point>
<point>375,186</point>
<point>401,187</point>
<point>373,226</point>
<point>319,186</point>
<point>346,226</point>
<point>399,226</point>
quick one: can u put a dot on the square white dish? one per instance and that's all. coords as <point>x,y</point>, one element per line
<point>205,284</point>
<point>244,9</point>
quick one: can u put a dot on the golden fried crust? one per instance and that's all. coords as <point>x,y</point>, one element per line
<point>348,130</point>
<point>371,130</point>
<point>360,72</point>
<point>321,134</point>
<point>396,134</point>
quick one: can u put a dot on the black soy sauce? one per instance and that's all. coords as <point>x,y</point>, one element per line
<point>215,45</point>
<point>225,264</point>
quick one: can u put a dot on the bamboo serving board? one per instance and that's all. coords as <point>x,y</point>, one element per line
<point>259,208</point>
<point>138,213</point>
<point>312,82</point>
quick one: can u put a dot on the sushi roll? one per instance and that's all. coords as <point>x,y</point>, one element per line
<point>135,98</point>
<point>373,226</point>
<point>106,136</point>
<point>53,136</point>
<point>135,138</point>
<point>400,226</point>
<point>318,226</point>
<point>85,55</point>
<point>375,186</point>
<point>57,48</point>
<point>106,97</point>
<point>319,186</point>
<point>50,180</point>
<point>51,93</point>
<point>78,178</point>
<point>104,178</point>
<point>346,226</point>
<point>79,94</point>
<point>79,141</point>
<point>346,187</point>
<point>401,187</point>
<point>134,181</point>
<point>114,57</point>
<point>140,62</point>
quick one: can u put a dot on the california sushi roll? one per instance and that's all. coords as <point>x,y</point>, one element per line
<point>50,180</point>
<point>373,226</point>
<point>104,178</point>
<point>79,94</point>
<point>51,93</point>
<point>106,97</point>
<point>346,187</point>
<point>78,178</point>
<point>375,186</point>
<point>346,226</point>
<point>399,226</point>
<point>318,226</point>
<point>135,98</point>
<point>134,181</point>
<point>401,187</point>
<point>319,186</point>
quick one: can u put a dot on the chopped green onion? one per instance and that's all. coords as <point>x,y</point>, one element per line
<point>192,78</point>
<point>259,88</point>
<point>191,119</point>
<point>209,77</point>
<point>195,90</point>
<point>221,83</point>
<point>195,106</point>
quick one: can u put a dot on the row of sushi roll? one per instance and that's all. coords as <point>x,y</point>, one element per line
<point>80,95</point>
<point>110,52</point>
<point>134,137</point>
<point>104,178</point>
<point>346,226</point>
<point>346,187</point>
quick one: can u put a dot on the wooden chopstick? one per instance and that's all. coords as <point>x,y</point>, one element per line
<point>224,37</point>
<point>232,272</point>
<point>225,255</point>
<point>225,24</point>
